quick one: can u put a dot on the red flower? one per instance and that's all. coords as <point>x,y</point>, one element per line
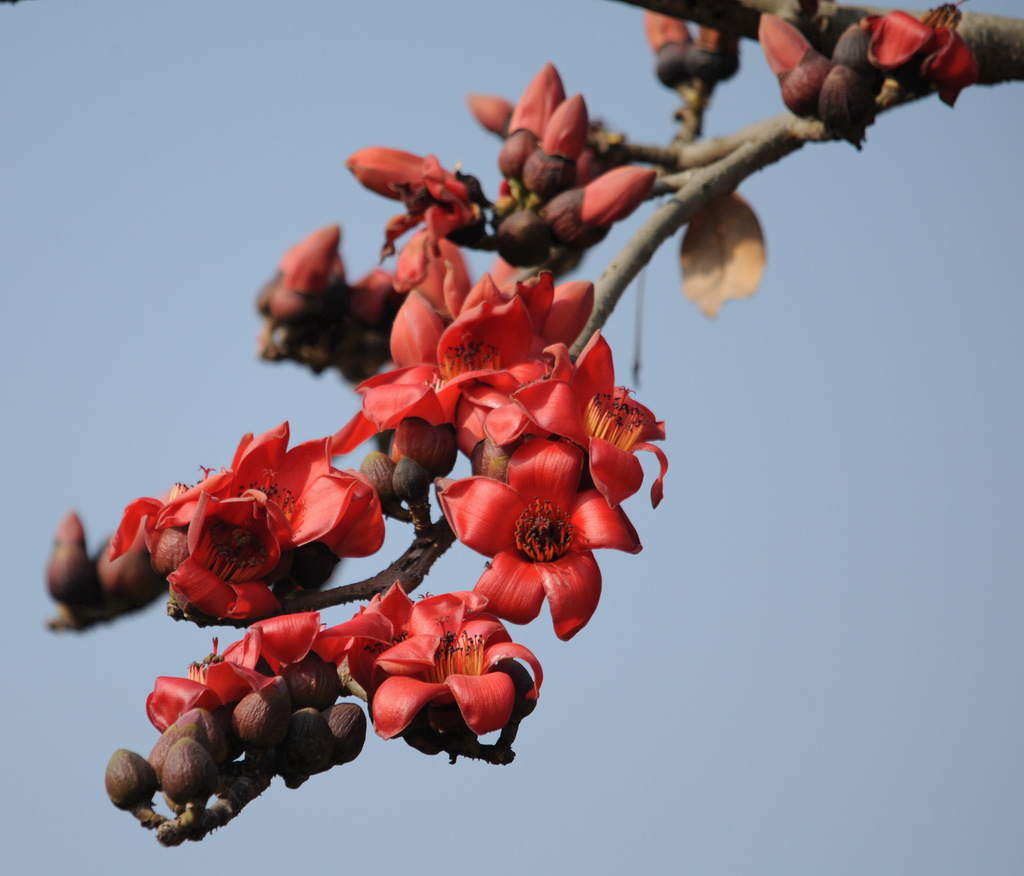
<point>584,404</point>
<point>448,656</point>
<point>541,534</point>
<point>940,53</point>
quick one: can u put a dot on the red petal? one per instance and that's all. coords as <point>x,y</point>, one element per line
<point>570,310</point>
<point>482,512</point>
<point>783,45</point>
<point>573,588</point>
<point>513,587</point>
<point>416,332</point>
<point>511,650</point>
<point>172,697</point>
<point>546,470</point>
<point>538,102</point>
<point>398,700</point>
<point>617,473</point>
<point>554,407</point>
<point>289,637</point>
<point>600,526</point>
<point>595,369</point>
<point>253,599</point>
<point>657,488</point>
<point>410,657</point>
<point>952,68</point>
<point>351,435</point>
<point>485,700</point>
<point>897,37</point>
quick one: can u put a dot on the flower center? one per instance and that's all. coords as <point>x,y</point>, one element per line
<point>543,532</point>
<point>614,419</point>
<point>456,655</point>
<point>230,552</point>
<point>472,356</point>
<point>283,498</point>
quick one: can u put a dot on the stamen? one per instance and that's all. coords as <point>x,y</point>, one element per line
<point>230,552</point>
<point>543,531</point>
<point>456,655</point>
<point>467,357</point>
<point>614,419</point>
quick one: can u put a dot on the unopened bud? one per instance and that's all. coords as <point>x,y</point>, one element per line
<point>518,146</point>
<point>491,111</point>
<point>189,775</point>
<point>851,50</point>
<point>846,104</point>
<point>671,66</point>
<point>306,749</point>
<point>490,460</point>
<point>312,682</point>
<point>261,717</point>
<point>714,56</point>
<point>547,175</point>
<point>801,86</point>
<point>312,564</point>
<point>130,578</point>
<point>433,447</point>
<point>70,574</point>
<point>130,779</point>
<point>562,214</point>
<point>411,481</point>
<point>379,469</point>
<point>523,238</point>
<point>169,550</point>
<point>347,723</point>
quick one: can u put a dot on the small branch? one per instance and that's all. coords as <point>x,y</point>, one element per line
<point>777,138</point>
<point>409,570</point>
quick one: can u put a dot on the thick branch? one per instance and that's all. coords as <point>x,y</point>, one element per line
<point>770,141</point>
<point>996,41</point>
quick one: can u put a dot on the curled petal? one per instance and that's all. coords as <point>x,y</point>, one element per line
<point>573,588</point>
<point>172,697</point>
<point>289,637</point>
<point>897,37</point>
<point>657,488</point>
<point>617,473</point>
<point>485,700</point>
<point>511,650</point>
<point>399,699</point>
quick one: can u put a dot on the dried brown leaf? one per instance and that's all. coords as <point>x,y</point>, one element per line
<point>723,254</point>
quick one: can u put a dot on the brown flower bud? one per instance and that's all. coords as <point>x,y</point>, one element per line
<point>197,724</point>
<point>312,682</point>
<point>547,175</point>
<point>671,67</point>
<point>801,86</point>
<point>851,50</point>
<point>189,775</point>
<point>412,481</point>
<point>379,469</point>
<point>261,717</point>
<point>433,447</point>
<point>846,104</point>
<point>70,574</point>
<point>130,779</point>
<point>562,213</point>
<point>306,749</point>
<point>130,578</point>
<point>490,460</point>
<point>312,564</point>
<point>518,146</point>
<point>523,239</point>
<point>347,723</point>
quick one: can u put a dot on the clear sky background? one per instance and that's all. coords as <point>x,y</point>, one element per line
<point>814,667</point>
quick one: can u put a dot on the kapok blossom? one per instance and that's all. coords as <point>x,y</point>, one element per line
<point>447,655</point>
<point>541,533</point>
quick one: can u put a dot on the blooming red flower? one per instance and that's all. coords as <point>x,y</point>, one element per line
<point>541,534</point>
<point>940,53</point>
<point>241,520</point>
<point>447,656</point>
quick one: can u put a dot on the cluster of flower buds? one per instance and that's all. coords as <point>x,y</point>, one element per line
<point>312,315</point>
<point>277,520</point>
<point>551,195</point>
<point>682,60</point>
<point>89,588</point>
<point>841,91</point>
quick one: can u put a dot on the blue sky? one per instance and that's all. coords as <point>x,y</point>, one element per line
<point>813,666</point>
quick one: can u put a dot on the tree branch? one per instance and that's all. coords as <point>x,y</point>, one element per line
<point>997,42</point>
<point>769,141</point>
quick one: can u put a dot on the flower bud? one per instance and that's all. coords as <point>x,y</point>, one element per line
<point>662,30</point>
<point>347,723</point>
<point>169,549</point>
<point>70,574</point>
<point>130,779</point>
<point>491,111</point>
<point>538,102</point>
<point>714,57</point>
<point>615,194</point>
<point>801,86</point>
<point>261,717</point>
<point>846,104</point>
<point>411,481</point>
<point>562,214</point>
<point>851,50</point>
<point>433,447</point>
<point>312,682</point>
<point>565,134</point>
<point>547,175</point>
<point>518,146</point>
<point>523,238</point>
<point>306,749</point>
<point>312,564</point>
<point>198,724</point>
<point>671,65</point>
<point>490,460</point>
<point>379,470</point>
<point>130,578</point>
<point>381,169</point>
<point>783,45</point>
<point>189,775</point>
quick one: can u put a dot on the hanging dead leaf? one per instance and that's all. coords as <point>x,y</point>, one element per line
<point>723,254</point>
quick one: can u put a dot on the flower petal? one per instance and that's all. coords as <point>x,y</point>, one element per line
<point>573,587</point>
<point>597,525</point>
<point>398,700</point>
<point>546,470</point>
<point>513,587</point>
<point>485,700</point>
<point>482,512</point>
<point>616,473</point>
